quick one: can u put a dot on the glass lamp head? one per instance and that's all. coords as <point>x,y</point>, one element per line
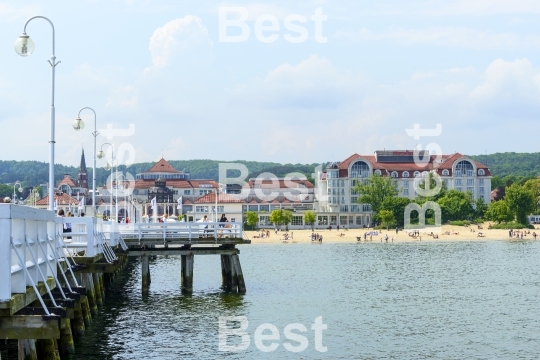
<point>107,167</point>
<point>100,154</point>
<point>24,46</point>
<point>78,124</point>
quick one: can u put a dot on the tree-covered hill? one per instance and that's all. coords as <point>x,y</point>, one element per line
<point>33,173</point>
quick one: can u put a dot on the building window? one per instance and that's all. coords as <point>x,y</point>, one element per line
<point>333,220</point>
<point>334,183</point>
<point>405,174</point>
<point>329,191</point>
<point>244,208</point>
<point>322,220</point>
<point>424,174</point>
<point>342,183</point>
<point>233,220</point>
<point>445,182</point>
<point>417,174</point>
<point>481,182</point>
<point>394,174</point>
<point>481,172</point>
<point>343,220</point>
<point>459,189</point>
<point>358,220</point>
<point>187,208</point>
<point>445,172</point>
<point>355,208</point>
<point>264,208</point>
<point>201,209</point>
<point>470,182</point>
<point>264,220</point>
<point>378,172</point>
<point>354,199</point>
<point>297,220</point>
<point>406,184</point>
<point>366,207</point>
<point>471,190</point>
<point>405,192</point>
<point>458,182</point>
<point>344,208</point>
<point>332,174</point>
<point>220,209</point>
<point>464,168</point>
<point>343,200</point>
<point>481,190</point>
<point>342,191</point>
<point>253,207</point>
<point>359,169</point>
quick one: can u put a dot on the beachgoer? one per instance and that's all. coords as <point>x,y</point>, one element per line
<point>223,220</point>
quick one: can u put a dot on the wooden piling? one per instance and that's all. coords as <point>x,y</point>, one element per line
<point>145,269</point>
<point>27,349</point>
<point>234,275</point>
<point>86,313</point>
<point>97,289</point>
<point>90,293</point>
<point>66,337</point>
<point>47,349</point>
<point>101,285</point>
<point>239,275</point>
<point>226,272</point>
<point>77,324</point>
<point>223,272</point>
<point>187,273</point>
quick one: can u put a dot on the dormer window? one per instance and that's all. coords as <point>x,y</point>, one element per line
<point>445,172</point>
<point>394,174</point>
<point>481,172</point>
<point>405,174</point>
<point>417,174</point>
<point>378,172</point>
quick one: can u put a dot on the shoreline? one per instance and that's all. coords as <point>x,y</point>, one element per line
<point>453,233</point>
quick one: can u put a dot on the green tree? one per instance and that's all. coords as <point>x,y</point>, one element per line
<point>252,219</point>
<point>456,205</point>
<point>374,190</point>
<point>397,206</point>
<point>432,187</point>
<point>310,217</point>
<point>480,208</point>
<point>387,218</point>
<point>521,202</point>
<point>281,217</point>
<point>499,211</point>
<point>6,190</point>
<point>533,185</point>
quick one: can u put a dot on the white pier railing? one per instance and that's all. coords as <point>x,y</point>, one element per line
<point>87,237</point>
<point>188,231</point>
<point>30,252</point>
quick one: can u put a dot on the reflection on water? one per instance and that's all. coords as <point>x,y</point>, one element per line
<point>387,301</point>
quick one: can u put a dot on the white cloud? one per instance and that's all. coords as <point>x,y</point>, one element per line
<point>466,38</point>
<point>509,80</point>
<point>177,37</point>
<point>123,97</point>
<point>12,13</point>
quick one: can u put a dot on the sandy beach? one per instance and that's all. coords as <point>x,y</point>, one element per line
<point>456,233</point>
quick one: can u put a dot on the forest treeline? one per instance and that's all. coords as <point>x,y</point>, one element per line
<point>33,173</point>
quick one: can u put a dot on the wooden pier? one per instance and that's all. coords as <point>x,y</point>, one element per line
<point>52,283</point>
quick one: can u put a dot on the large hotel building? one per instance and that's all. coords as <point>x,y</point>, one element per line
<point>338,201</point>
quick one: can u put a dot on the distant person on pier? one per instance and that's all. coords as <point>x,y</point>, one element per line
<point>223,220</point>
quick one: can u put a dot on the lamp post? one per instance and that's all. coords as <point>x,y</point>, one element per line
<point>78,124</point>
<point>24,46</point>
<point>15,199</point>
<point>101,155</point>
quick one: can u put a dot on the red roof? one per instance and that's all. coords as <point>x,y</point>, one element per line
<point>269,184</point>
<point>210,198</point>
<point>176,183</point>
<point>66,180</point>
<point>63,199</point>
<point>163,166</point>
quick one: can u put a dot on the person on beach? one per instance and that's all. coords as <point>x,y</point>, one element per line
<point>534,235</point>
<point>386,237</point>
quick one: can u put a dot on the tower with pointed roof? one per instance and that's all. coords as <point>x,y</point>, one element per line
<point>82,179</point>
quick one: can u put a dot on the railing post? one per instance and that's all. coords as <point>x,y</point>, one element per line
<point>90,237</point>
<point>5,256</point>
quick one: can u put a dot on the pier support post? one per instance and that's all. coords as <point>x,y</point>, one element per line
<point>90,294</point>
<point>47,350</point>
<point>223,271</point>
<point>97,289</point>
<point>85,308</point>
<point>145,267</point>
<point>77,324</point>
<point>187,273</point>
<point>27,349</point>
<point>66,337</point>
<point>238,274</point>
<point>101,285</point>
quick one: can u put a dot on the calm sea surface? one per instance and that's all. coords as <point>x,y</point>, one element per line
<point>476,300</point>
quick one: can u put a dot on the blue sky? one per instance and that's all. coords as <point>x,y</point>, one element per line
<point>472,66</point>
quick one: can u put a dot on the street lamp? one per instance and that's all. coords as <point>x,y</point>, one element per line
<point>101,155</point>
<point>24,46</point>
<point>78,124</point>
<point>15,199</point>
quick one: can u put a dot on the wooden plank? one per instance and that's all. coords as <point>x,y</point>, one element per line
<point>81,260</point>
<point>19,301</point>
<point>100,267</point>
<point>172,251</point>
<point>29,327</point>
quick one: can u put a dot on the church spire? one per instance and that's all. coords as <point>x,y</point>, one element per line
<point>82,168</point>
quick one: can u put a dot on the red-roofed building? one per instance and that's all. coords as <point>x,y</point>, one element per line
<point>334,193</point>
